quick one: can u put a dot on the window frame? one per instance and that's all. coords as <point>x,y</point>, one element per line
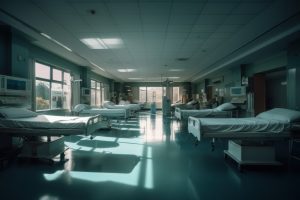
<point>96,90</point>
<point>64,84</point>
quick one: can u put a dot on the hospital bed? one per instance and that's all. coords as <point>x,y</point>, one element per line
<point>133,108</point>
<point>43,134</point>
<point>224,110</point>
<point>247,136</point>
<point>108,114</point>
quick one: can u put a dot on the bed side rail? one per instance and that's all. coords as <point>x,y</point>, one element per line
<point>93,124</point>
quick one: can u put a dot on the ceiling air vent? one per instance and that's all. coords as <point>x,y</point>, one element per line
<point>182,59</point>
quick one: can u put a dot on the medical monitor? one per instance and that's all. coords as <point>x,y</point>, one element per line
<point>14,85</point>
<point>238,91</point>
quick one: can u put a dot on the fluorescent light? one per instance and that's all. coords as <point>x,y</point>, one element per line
<point>105,43</point>
<point>97,66</point>
<point>113,43</point>
<point>55,41</point>
<point>94,43</point>
<point>175,70</point>
<point>126,70</point>
<point>45,35</point>
<point>135,78</point>
<point>171,77</point>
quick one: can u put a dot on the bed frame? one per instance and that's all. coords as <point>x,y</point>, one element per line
<point>248,148</point>
<point>45,143</point>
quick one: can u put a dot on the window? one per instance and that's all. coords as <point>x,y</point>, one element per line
<point>175,94</point>
<point>152,94</point>
<point>143,94</point>
<point>96,94</point>
<point>53,87</point>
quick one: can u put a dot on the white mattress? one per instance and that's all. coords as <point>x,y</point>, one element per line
<point>46,122</point>
<point>252,124</point>
<point>185,114</point>
<point>109,113</point>
<point>237,127</point>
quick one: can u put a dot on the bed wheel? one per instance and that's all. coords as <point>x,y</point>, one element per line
<point>91,137</point>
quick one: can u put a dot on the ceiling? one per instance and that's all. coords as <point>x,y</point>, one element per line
<point>183,39</point>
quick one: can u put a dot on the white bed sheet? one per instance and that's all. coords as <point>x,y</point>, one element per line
<point>201,127</point>
<point>46,122</point>
<point>108,113</point>
<point>185,114</point>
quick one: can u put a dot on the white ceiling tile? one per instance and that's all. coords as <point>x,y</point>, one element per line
<point>187,7</point>
<point>155,8</point>
<point>205,28</point>
<point>154,27</point>
<point>200,35</point>
<point>180,28</point>
<point>235,19</point>
<point>182,19</point>
<point>250,8</point>
<point>155,19</point>
<point>229,28</point>
<point>222,35</point>
<point>219,8</point>
<point>171,44</point>
<point>127,19</point>
<point>211,19</point>
<point>56,7</point>
<point>132,35</point>
<point>123,7</point>
<point>177,35</point>
<point>84,8</point>
<point>154,35</point>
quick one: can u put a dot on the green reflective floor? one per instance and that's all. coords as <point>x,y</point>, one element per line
<point>147,157</point>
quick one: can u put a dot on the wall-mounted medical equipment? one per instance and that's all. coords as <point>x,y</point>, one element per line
<point>14,86</point>
<point>238,91</point>
<point>15,91</point>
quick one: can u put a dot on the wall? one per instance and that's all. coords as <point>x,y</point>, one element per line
<point>228,78</point>
<point>5,49</point>
<point>293,76</point>
<point>270,63</point>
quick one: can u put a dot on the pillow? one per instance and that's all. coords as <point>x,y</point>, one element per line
<point>80,107</point>
<point>11,112</point>
<point>225,107</point>
<point>108,104</point>
<point>281,114</point>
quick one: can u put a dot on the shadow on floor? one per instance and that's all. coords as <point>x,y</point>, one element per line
<point>103,162</point>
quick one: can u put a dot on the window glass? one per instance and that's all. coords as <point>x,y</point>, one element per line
<point>98,97</point>
<point>67,78</point>
<point>142,94</point>
<point>93,97</point>
<point>67,97</point>
<point>42,71</point>
<point>56,74</point>
<point>175,94</point>
<point>93,84</point>
<point>42,94</point>
<point>56,96</point>
<point>154,94</point>
<point>55,92</point>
